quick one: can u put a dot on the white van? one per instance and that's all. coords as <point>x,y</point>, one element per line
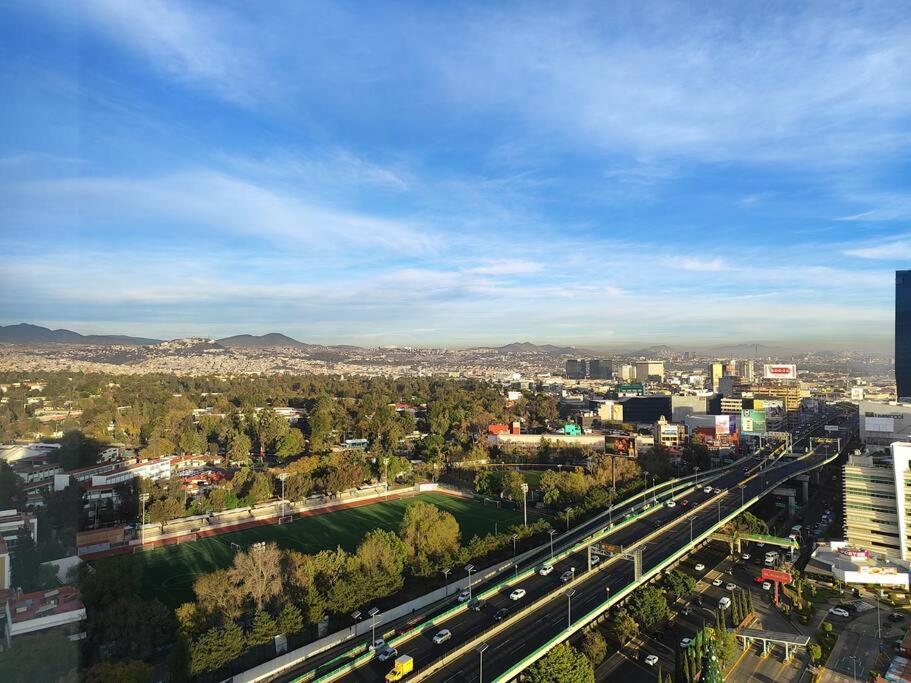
<point>771,557</point>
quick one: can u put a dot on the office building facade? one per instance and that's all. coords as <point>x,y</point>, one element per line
<point>903,334</point>
<point>884,423</point>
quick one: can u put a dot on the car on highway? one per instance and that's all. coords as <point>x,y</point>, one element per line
<point>595,559</point>
<point>378,644</point>
<point>464,596</point>
<point>671,504</point>
<point>517,594</point>
<point>686,642</point>
<point>839,612</point>
<point>895,616</point>
<point>766,585</point>
<point>567,576</point>
<point>717,490</point>
<point>651,660</point>
<point>684,502</point>
<point>729,586</point>
<point>442,636</point>
<point>724,603</point>
<point>476,605</point>
<point>718,582</point>
<point>546,569</point>
<point>501,614</point>
<point>707,489</point>
<point>387,653</point>
<point>745,556</point>
<point>699,567</point>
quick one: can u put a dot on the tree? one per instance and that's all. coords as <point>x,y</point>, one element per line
<point>218,594</point>
<point>239,448</point>
<point>382,556</point>
<point>815,652</point>
<point>257,573</point>
<point>290,444</point>
<point>622,627</point>
<point>431,536</point>
<point>563,664</point>
<point>263,629</point>
<point>678,584</point>
<point>12,491</point>
<point>649,606</point>
<point>262,487</point>
<point>594,646</point>
<point>163,511</point>
<point>216,648</point>
<point>711,667</point>
<point>511,485</point>
<point>131,671</point>
<point>290,620</point>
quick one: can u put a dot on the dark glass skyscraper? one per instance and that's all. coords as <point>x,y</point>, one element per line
<point>903,333</point>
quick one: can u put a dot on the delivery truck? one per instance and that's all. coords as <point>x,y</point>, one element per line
<point>404,665</point>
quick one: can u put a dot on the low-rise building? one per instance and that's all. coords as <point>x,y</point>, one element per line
<point>594,441</point>
<point>60,610</point>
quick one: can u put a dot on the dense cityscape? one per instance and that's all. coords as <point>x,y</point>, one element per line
<point>473,342</point>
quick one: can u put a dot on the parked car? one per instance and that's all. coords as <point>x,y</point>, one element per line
<point>517,594</point>
<point>464,596</point>
<point>546,569</point>
<point>699,567</point>
<point>476,605</point>
<point>442,636</point>
<point>839,612</point>
<point>387,653</point>
<point>501,614</point>
<point>651,660</point>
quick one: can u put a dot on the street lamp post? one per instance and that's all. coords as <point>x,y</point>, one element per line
<point>569,606</point>
<point>719,510</point>
<point>386,475</point>
<point>372,614</point>
<point>283,476</point>
<point>568,511</point>
<point>469,568</point>
<point>480,650</point>
<point>446,578</point>
<point>143,497</point>
<point>514,538</point>
<point>356,614</point>
<point>552,533</point>
<point>525,501</point>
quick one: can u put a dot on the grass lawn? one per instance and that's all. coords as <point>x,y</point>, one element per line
<point>169,572</point>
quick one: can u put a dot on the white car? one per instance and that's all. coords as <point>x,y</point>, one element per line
<point>546,569</point>
<point>671,504</point>
<point>766,585</point>
<point>651,660</point>
<point>699,567</point>
<point>595,559</point>
<point>839,612</point>
<point>464,596</point>
<point>378,644</point>
<point>517,594</point>
<point>718,582</point>
<point>729,586</point>
<point>442,636</point>
<point>744,556</point>
<point>724,603</point>
<point>717,490</point>
<point>686,642</point>
<point>707,489</point>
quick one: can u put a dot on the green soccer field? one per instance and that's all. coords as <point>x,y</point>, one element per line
<point>168,572</point>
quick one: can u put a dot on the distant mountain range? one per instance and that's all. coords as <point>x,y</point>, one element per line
<point>265,341</point>
<point>528,347</point>
<point>23,333</point>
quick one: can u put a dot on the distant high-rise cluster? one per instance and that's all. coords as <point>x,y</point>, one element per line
<point>903,334</point>
<point>591,368</point>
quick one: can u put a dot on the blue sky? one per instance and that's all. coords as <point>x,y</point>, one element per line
<point>434,173</point>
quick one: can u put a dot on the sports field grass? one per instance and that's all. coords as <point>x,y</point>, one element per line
<point>168,572</point>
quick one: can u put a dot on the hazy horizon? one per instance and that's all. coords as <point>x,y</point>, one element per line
<point>454,175</point>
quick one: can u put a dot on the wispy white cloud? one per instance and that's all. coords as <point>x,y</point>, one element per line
<point>701,265</point>
<point>889,250</point>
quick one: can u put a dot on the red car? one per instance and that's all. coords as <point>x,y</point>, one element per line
<point>684,503</point>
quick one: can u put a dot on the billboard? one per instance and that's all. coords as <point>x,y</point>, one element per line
<point>774,410</point>
<point>779,371</point>
<point>620,445</point>
<point>752,422</point>
<point>879,424</point>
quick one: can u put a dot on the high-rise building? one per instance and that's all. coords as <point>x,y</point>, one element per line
<point>903,334</point>
<point>592,368</point>
<point>647,369</point>
<point>575,369</point>
<point>715,373</point>
<point>744,369</point>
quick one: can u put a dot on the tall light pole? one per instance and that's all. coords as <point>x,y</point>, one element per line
<point>719,510</point>
<point>569,606</point>
<point>386,475</point>
<point>372,614</point>
<point>525,501</point>
<point>143,497</point>
<point>469,568</point>
<point>568,511</point>
<point>552,533</point>
<point>356,614</point>
<point>480,650</point>
<point>282,477</point>
<point>446,578</point>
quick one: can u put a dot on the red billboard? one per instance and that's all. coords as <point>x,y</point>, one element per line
<point>775,575</point>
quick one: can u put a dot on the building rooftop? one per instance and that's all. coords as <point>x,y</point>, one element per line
<point>27,606</point>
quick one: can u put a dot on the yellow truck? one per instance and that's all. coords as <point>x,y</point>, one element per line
<point>404,665</point>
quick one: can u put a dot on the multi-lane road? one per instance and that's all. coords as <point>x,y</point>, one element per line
<point>666,531</point>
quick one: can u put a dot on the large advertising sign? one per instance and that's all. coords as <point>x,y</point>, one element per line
<point>774,410</point>
<point>778,371</point>
<point>752,422</point>
<point>621,445</point>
